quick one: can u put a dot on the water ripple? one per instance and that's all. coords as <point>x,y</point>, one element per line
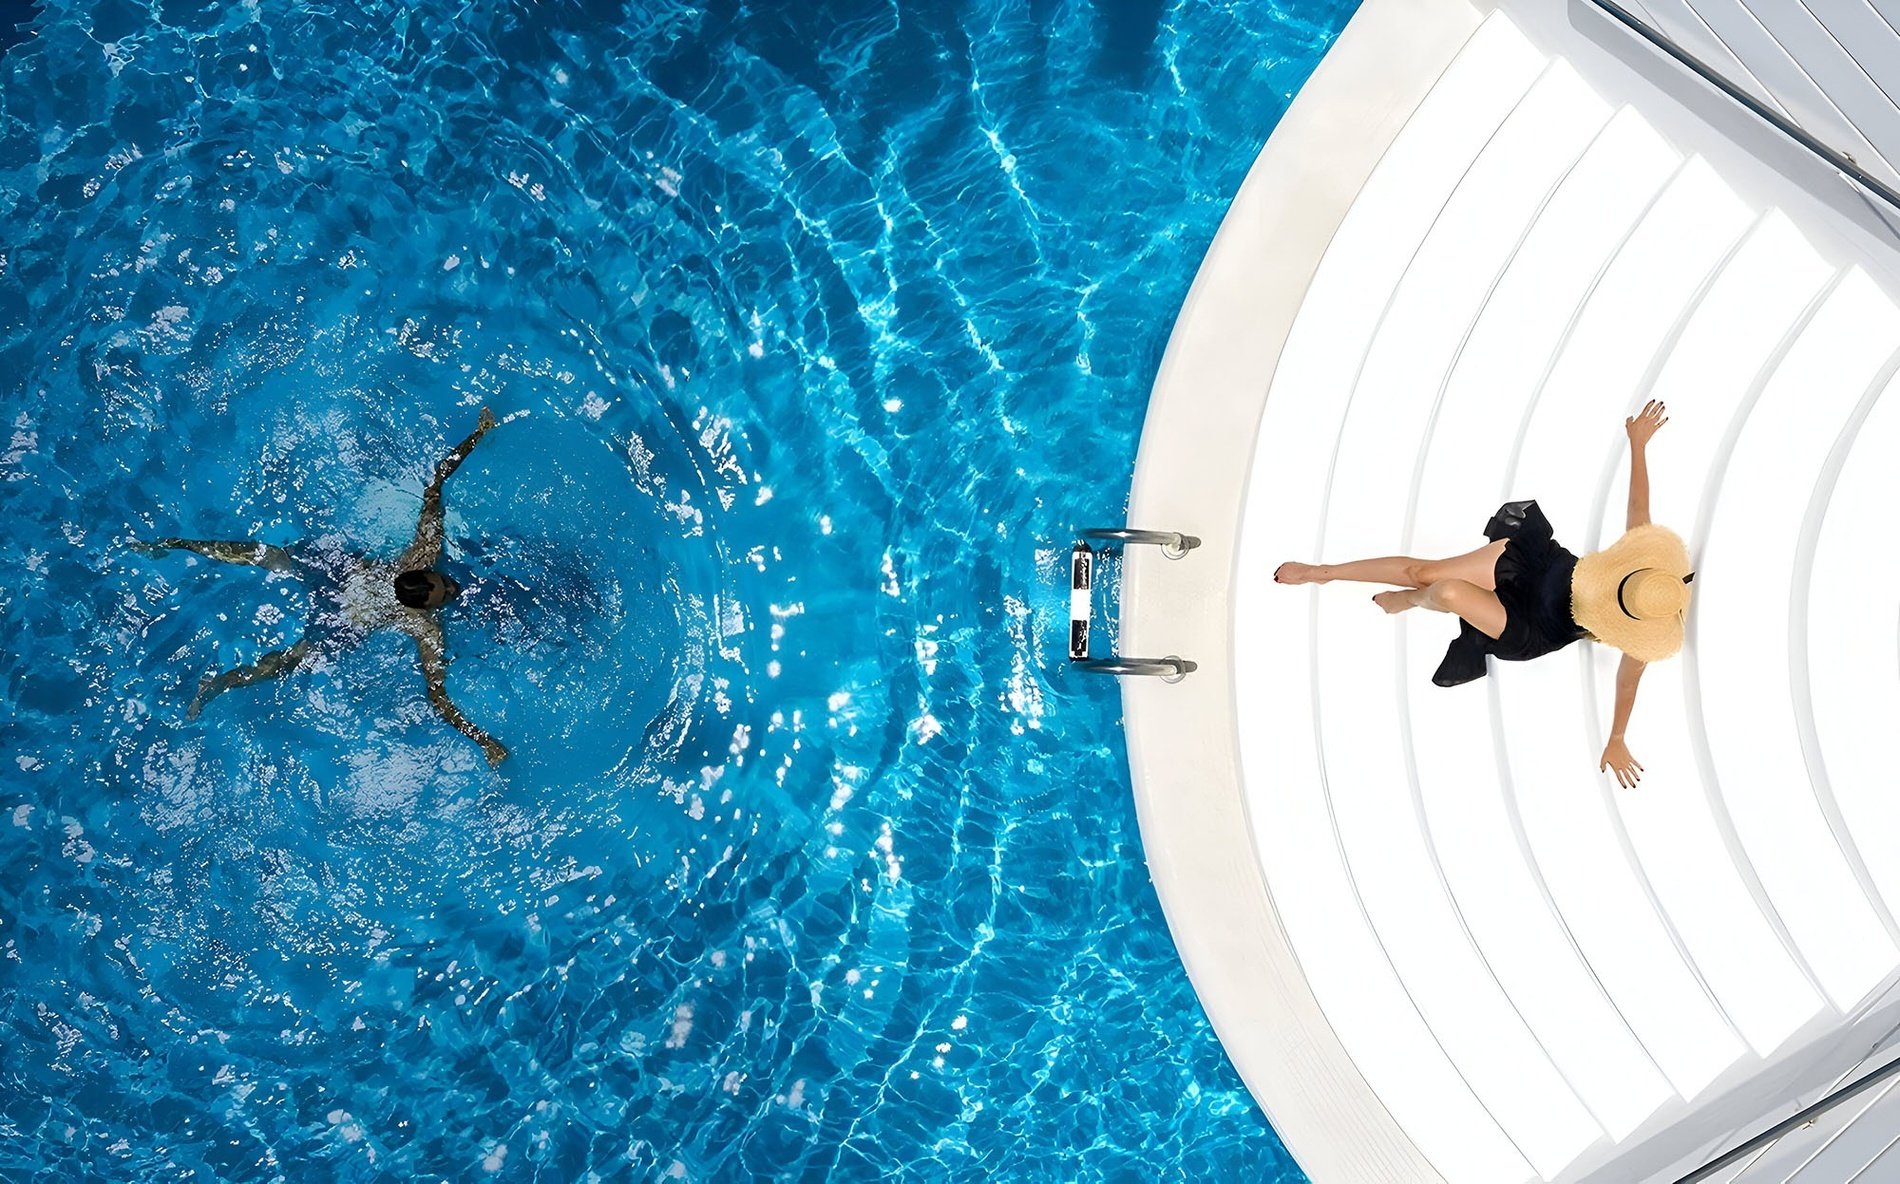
<point>823,326</point>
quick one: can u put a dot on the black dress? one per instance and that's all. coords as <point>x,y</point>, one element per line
<point>1533,577</point>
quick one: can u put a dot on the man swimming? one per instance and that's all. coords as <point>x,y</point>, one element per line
<point>352,597</point>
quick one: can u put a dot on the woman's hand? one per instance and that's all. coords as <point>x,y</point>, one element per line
<point>1644,423</point>
<point>1617,759</point>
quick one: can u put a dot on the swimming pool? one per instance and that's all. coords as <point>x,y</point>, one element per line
<point>823,327</point>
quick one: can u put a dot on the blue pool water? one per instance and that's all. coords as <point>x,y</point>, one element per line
<point>823,326</point>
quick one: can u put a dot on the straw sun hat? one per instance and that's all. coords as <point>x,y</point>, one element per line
<point>1633,594</point>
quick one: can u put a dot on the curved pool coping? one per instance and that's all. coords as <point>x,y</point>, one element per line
<point>1191,474</point>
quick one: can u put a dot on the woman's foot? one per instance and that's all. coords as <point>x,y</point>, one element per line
<point>1297,573</point>
<point>1394,602</point>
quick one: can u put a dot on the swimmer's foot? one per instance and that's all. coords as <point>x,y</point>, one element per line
<point>149,550</point>
<point>1298,573</point>
<point>1394,602</point>
<point>485,421</point>
<point>495,753</point>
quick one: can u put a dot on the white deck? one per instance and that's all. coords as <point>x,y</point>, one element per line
<point>1452,949</point>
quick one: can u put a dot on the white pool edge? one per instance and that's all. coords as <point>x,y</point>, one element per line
<point>1191,474</point>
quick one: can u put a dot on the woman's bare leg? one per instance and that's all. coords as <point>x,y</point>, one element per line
<point>1391,569</point>
<point>1474,567</point>
<point>1480,606</point>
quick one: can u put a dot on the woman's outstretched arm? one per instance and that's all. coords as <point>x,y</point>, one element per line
<point>1641,427</point>
<point>1616,754</point>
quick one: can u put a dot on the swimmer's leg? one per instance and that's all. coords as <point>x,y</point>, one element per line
<point>275,664</point>
<point>435,665</point>
<point>242,551</point>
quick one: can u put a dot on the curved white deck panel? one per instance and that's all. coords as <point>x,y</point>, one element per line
<point>1409,337</point>
<point>1753,527</point>
<point>1852,641</point>
<point>1437,942</point>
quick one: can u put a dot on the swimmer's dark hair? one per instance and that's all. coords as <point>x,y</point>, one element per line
<point>425,589</point>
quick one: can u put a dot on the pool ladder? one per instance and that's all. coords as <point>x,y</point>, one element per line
<point>1174,545</point>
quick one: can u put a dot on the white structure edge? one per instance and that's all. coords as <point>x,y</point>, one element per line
<point>1202,418</point>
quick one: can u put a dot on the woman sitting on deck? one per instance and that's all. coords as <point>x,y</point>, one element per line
<point>1524,595</point>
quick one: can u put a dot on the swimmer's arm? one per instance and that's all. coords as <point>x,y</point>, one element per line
<point>435,669</point>
<point>426,548</point>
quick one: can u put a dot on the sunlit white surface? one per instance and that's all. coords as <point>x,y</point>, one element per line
<point>1742,592</point>
<point>1721,356</point>
<point>1737,332</point>
<point>1853,641</point>
<point>1497,934</point>
<point>1632,315</point>
<point>1389,854</point>
<point>1571,828</point>
<point>1375,1017</point>
<point>1471,813</point>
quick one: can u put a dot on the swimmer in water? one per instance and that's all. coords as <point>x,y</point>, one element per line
<point>352,597</point>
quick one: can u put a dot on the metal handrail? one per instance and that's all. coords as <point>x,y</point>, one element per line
<point>1170,668</point>
<point>1173,543</point>
<point>1858,1086</point>
<point>1838,160</point>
